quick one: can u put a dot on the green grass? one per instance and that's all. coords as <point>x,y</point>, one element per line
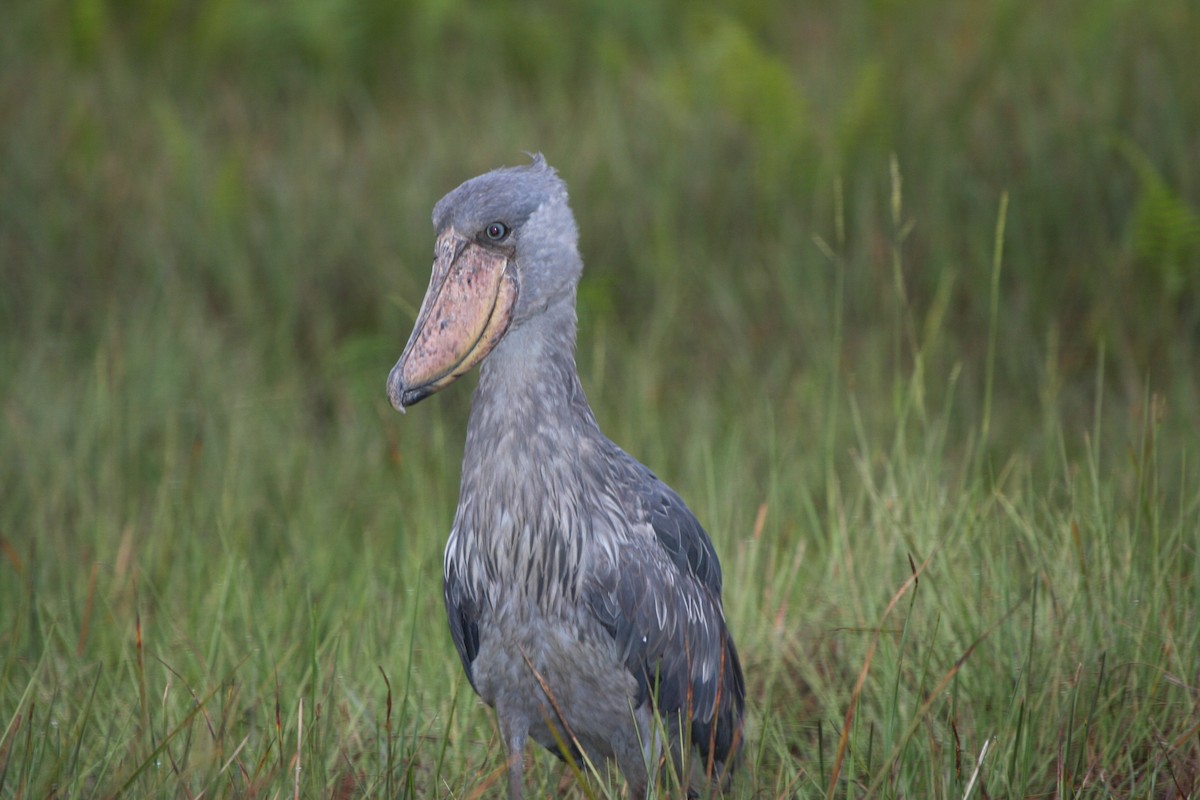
<point>902,298</point>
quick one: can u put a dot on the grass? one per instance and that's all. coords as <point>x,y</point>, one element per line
<point>902,300</point>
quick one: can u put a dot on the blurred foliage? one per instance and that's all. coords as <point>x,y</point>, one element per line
<point>275,163</point>
<point>1165,231</point>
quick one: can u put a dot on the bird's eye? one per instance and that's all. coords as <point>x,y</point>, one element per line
<point>497,231</point>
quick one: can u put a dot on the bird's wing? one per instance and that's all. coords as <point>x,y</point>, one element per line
<point>463,614</point>
<point>679,532</point>
<point>661,602</point>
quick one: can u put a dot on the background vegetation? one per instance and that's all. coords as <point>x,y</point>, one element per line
<point>882,288</point>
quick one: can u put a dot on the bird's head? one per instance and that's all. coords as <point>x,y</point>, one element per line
<point>506,250</point>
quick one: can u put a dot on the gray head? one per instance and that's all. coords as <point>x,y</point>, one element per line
<point>530,201</point>
<point>506,251</point>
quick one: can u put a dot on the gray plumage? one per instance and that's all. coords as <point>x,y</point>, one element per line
<point>583,596</point>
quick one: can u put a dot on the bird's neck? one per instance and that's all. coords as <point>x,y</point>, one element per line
<point>532,444</point>
<point>529,387</point>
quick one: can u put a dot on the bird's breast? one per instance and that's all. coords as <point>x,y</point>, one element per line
<point>533,522</point>
<point>516,566</point>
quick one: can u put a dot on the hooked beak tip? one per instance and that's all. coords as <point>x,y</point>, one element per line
<point>395,388</point>
<point>402,396</point>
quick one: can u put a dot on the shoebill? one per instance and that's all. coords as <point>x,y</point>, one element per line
<point>583,596</point>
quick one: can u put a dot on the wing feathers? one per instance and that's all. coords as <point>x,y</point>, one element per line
<point>662,604</point>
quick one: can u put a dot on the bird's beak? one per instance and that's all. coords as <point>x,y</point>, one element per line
<point>466,311</point>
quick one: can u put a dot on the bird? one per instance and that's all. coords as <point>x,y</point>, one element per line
<point>583,596</point>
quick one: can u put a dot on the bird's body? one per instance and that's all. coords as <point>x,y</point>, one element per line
<point>583,596</point>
